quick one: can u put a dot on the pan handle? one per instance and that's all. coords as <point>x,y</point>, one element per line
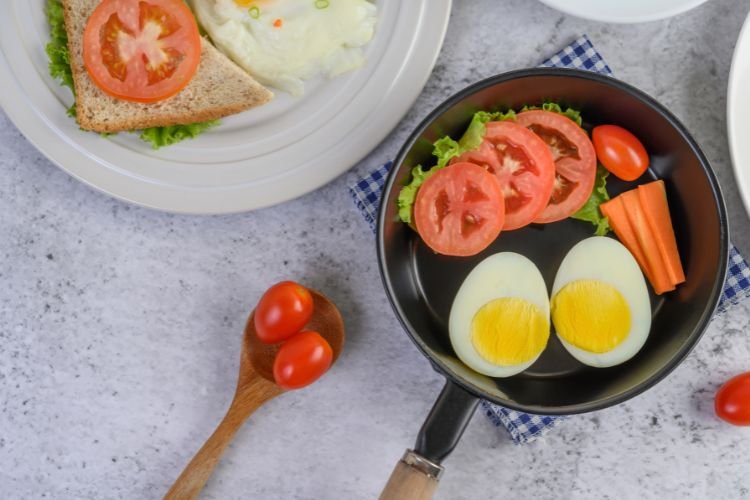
<point>417,474</point>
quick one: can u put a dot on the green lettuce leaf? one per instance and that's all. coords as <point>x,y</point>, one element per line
<point>473,136</point>
<point>444,150</point>
<point>590,212</point>
<point>160,137</point>
<point>409,192</point>
<point>556,108</point>
<point>59,69</point>
<point>57,48</point>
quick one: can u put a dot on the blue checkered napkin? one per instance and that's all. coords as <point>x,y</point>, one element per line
<point>525,427</point>
<point>737,286</point>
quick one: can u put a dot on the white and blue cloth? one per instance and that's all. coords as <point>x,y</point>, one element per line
<point>525,427</point>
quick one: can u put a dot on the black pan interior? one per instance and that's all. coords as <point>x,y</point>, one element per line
<point>422,285</point>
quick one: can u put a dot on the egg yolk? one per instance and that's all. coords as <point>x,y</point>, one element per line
<point>509,331</point>
<point>591,315</point>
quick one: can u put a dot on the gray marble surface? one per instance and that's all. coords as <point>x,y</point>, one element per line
<point>120,327</point>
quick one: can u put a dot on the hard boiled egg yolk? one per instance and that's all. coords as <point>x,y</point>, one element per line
<point>591,315</point>
<point>509,331</point>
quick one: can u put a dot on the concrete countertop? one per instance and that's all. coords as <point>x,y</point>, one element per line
<point>120,327</point>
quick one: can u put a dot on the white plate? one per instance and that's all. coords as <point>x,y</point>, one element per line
<point>738,113</point>
<point>256,159</point>
<point>623,11</point>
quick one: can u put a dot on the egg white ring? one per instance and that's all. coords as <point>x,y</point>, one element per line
<point>607,260</point>
<point>502,275</point>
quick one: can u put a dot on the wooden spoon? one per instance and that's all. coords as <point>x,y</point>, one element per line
<point>255,386</point>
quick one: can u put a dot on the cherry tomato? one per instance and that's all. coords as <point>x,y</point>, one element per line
<point>302,360</point>
<point>575,162</point>
<point>620,152</point>
<point>523,164</point>
<point>460,210</point>
<point>283,310</point>
<point>141,50</point>
<point>732,402</point>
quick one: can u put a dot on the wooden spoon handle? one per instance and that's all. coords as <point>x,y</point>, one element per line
<point>249,397</point>
<point>413,478</point>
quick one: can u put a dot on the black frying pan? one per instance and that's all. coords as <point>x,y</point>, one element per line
<point>421,285</point>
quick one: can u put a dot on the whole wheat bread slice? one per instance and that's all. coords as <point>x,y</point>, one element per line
<point>219,88</point>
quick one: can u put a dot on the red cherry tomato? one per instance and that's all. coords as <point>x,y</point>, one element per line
<point>283,310</point>
<point>302,360</point>
<point>732,402</point>
<point>620,152</point>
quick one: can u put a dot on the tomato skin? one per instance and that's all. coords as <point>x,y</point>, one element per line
<point>524,165</point>
<point>302,360</point>
<point>141,50</point>
<point>460,210</point>
<point>283,310</point>
<point>732,403</point>
<point>575,162</point>
<point>620,152</point>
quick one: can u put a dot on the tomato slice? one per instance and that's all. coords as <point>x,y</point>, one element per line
<point>460,210</point>
<point>575,162</point>
<point>523,164</point>
<point>142,51</point>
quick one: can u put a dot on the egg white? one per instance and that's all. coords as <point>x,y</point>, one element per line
<point>310,42</point>
<point>501,275</point>
<point>607,260</point>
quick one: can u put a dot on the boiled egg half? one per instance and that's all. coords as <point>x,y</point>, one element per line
<point>499,321</point>
<point>600,304</point>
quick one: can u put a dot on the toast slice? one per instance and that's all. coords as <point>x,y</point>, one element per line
<point>218,89</point>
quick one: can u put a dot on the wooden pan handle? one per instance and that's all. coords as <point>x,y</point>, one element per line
<point>414,478</point>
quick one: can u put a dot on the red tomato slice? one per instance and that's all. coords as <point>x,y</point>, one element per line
<point>523,164</point>
<point>460,210</point>
<point>575,162</point>
<point>142,51</point>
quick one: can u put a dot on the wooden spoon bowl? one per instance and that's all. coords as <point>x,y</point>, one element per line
<point>326,321</point>
<point>255,386</point>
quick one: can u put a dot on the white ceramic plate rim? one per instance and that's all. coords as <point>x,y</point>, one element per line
<point>739,119</point>
<point>622,11</point>
<point>35,107</point>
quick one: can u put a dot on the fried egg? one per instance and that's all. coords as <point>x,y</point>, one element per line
<point>600,304</point>
<point>282,43</point>
<point>499,321</point>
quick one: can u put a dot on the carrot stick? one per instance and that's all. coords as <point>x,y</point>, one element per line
<point>637,218</point>
<point>653,198</point>
<point>614,210</point>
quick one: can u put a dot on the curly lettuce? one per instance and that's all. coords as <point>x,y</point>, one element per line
<point>60,70</point>
<point>590,212</point>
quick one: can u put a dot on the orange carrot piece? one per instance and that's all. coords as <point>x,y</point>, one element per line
<point>661,281</point>
<point>614,210</point>
<point>653,197</point>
